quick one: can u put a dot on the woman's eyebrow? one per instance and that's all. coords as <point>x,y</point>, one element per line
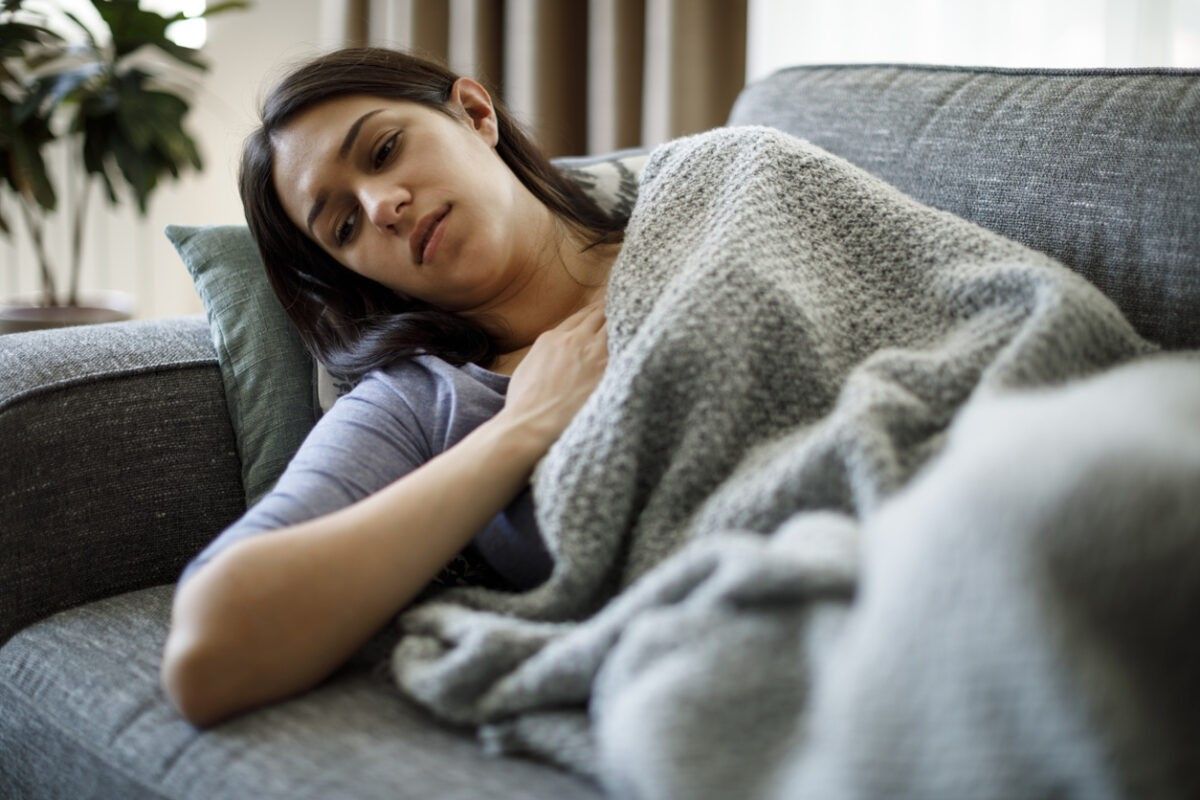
<point>352,134</point>
<point>347,143</point>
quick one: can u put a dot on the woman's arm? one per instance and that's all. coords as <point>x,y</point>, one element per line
<point>272,616</point>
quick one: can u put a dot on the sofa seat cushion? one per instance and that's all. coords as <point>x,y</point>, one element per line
<point>83,715</point>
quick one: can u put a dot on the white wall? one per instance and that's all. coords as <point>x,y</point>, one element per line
<point>999,33</point>
<point>245,50</point>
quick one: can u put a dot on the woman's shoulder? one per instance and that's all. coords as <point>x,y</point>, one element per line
<point>439,369</point>
<point>416,379</point>
<point>402,370</point>
<point>425,375</point>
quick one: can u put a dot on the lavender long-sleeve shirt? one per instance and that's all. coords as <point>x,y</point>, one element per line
<point>392,422</point>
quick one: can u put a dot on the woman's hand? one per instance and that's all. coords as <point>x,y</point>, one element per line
<point>558,374</point>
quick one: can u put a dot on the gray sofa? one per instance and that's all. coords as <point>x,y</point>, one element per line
<point>119,460</point>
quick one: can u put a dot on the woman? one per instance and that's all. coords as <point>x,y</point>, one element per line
<point>419,240</point>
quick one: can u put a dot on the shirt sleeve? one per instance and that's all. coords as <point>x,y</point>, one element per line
<point>368,439</point>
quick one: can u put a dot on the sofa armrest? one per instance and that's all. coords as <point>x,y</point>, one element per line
<point>119,461</point>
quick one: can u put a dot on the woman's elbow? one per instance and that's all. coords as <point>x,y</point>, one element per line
<point>183,682</point>
<point>180,671</point>
<point>208,682</point>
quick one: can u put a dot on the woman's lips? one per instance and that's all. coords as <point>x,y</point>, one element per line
<point>435,237</point>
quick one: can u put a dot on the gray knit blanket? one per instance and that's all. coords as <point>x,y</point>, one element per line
<point>747,601</point>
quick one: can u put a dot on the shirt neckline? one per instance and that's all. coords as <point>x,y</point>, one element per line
<point>486,371</point>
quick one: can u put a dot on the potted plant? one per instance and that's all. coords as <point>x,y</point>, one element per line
<point>119,113</point>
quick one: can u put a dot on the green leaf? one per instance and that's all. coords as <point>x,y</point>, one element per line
<point>38,59</point>
<point>193,153</point>
<point>133,27</point>
<point>21,142</point>
<point>150,125</point>
<point>145,114</point>
<point>96,134</point>
<point>50,90</point>
<point>215,8</point>
<point>108,187</point>
<point>179,150</point>
<point>133,124</point>
<point>188,55</point>
<point>86,30</point>
<point>137,169</point>
<point>30,173</point>
<point>8,124</point>
<point>101,103</point>
<point>16,37</point>
<point>220,8</point>
<point>95,145</point>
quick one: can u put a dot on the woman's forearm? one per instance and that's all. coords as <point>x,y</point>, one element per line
<point>274,615</point>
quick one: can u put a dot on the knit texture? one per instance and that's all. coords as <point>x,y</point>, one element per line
<point>790,339</point>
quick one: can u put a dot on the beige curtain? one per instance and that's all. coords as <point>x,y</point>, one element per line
<point>584,76</point>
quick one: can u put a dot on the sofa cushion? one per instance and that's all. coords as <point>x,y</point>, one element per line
<point>1098,168</point>
<point>84,716</point>
<point>118,461</point>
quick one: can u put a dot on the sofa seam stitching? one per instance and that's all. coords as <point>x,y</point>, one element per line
<point>1053,72</point>
<point>98,377</point>
<point>86,746</point>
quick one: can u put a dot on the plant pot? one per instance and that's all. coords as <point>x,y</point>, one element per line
<point>21,314</point>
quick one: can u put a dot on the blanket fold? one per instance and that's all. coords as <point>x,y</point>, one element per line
<point>790,340</point>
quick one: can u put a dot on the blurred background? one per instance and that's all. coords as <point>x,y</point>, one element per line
<point>584,76</point>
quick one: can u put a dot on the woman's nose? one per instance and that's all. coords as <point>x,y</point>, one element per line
<point>384,205</point>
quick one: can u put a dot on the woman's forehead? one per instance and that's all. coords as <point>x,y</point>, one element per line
<point>328,130</point>
<point>343,111</point>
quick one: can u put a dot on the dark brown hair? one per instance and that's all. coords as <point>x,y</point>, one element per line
<point>350,323</point>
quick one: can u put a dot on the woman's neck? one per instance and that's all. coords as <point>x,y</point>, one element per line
<point>556,292</point>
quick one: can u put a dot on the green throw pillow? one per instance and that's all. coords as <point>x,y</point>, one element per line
<point>274,390</point>
<point>267,372</point>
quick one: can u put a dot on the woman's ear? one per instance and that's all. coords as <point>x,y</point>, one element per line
<point>472,103</point>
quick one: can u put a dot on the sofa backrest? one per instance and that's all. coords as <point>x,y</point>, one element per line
<point>1097,168</point>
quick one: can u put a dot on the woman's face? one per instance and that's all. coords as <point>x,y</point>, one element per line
<point>357,174</point>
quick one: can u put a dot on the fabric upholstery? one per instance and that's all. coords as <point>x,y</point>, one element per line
<point>85,717</point>
<point>1097,168</point>
<point>118,461</point>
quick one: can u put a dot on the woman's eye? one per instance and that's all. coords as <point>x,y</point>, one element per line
<point>344,230</point>
<point>385,151</point>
